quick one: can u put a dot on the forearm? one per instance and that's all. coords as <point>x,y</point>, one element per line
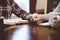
<point>23,14</point>
<point>44,17</point>
<point>19,11</point>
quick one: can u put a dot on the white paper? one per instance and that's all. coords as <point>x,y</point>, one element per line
<point>14,21</point>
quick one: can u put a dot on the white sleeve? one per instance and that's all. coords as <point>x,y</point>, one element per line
<point>46,16</point>
<point>57,9</point>
<point>50,14</point>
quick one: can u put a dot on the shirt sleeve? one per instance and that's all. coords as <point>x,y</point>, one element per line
<point>17,10</point>
<point>57,9</point>
<point>44,17</point>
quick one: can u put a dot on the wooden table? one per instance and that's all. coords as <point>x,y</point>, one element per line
<point>28,32</point>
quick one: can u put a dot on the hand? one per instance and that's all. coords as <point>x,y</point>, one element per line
<point>56,22</point>
<point>34,17</point>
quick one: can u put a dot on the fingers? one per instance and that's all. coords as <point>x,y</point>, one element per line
<point>55,21</point>
<point>30,17</point>
<point>34,17</point>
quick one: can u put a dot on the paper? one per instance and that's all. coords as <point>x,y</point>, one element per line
<point>14,21</point>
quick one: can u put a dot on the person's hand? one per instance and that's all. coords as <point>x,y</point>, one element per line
<point>34,17</point>
<point>56,21</point>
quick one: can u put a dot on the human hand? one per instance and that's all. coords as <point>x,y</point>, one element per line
<point>56,20</point>
<point>34,17</point>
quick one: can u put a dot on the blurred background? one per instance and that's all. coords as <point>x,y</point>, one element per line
<point>38,6</point>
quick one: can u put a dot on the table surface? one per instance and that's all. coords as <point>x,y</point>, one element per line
<point>28,32</point>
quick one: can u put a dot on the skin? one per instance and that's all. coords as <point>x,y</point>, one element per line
<point>35,17</point>
<point>55,21</point>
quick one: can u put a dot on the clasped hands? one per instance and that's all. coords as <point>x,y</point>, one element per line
<point>35,17</point>
<point>56,20</point>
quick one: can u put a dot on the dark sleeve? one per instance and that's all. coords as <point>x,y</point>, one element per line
<point>18,11</point>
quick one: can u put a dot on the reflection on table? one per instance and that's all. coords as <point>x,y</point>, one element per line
<point>30,32</point>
